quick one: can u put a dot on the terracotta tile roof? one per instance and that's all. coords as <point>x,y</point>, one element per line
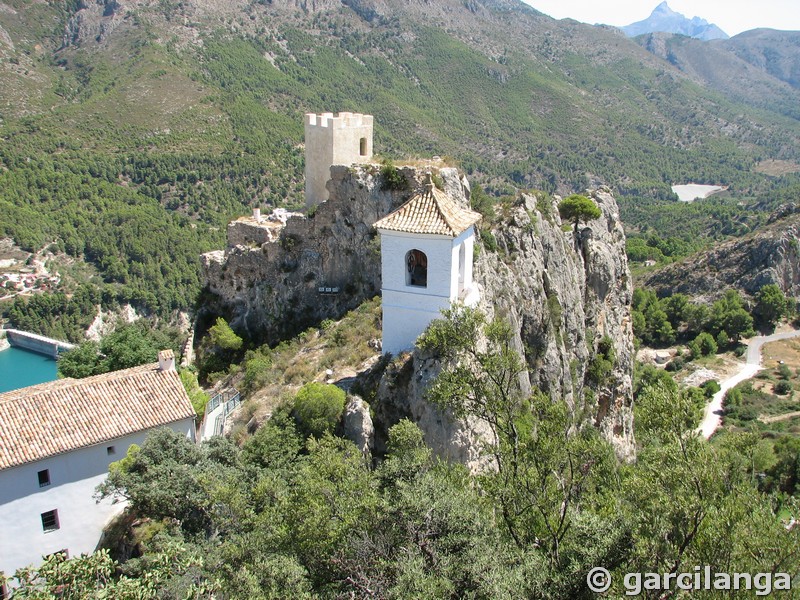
<point>430,211</point>
<point>52,418</point>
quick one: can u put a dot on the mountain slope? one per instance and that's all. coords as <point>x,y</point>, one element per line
<point>195,109</point>
<point>664,19</point>
<point>770,255</point>
<point>775,52</point>
<point>768,61</point>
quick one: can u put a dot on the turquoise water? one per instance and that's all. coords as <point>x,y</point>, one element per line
<point>20,368</point>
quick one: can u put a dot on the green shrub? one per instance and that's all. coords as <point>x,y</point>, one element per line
<point>601,366</point>
<point>489,241</point>
<point>318,408</point>
<point>554,310</point>
<point>197,396</point>
<point>784,372</point>
<point>710,388</point>
<point>223,336</point>
<point>392,177</point>
<point>723,339</point>
<point>783,387</point>
<point>703,345</point>
<point>676,364</point>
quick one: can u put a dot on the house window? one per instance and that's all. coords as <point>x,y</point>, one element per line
<point>50,521</point>
<point>362,146</point>
<point>111,450</point>
<point>416,268</point>
<point>44,478</point>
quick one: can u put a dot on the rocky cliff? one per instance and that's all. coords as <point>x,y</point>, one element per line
<point>769,255</point>
<point>318,267</point>
<point>562,291</point>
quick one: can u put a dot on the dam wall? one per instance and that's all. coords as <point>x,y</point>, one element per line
<point>36,343</point>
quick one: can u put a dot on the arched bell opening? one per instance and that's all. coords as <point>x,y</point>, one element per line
<point>416,268</point>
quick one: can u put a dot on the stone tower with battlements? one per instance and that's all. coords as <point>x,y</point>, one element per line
<point>343,139</point>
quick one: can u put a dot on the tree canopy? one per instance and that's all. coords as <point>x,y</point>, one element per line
<point>578,208</point>
<point>129,346</point>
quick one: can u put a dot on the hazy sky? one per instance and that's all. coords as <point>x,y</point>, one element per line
<point>732,16</point>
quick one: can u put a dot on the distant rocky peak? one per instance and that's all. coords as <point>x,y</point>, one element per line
<point>664,19</point>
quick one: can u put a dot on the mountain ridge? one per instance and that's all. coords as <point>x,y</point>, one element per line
<point>664,19</point>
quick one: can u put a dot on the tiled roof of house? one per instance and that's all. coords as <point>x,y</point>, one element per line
<point>430,211</point>
<point>52,418</point>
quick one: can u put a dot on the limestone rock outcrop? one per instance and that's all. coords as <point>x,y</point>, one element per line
<point>769,255</point>
<point>358,427</point>
<point>319,267</point>
<point>562,291</point>
<point>401,395</point>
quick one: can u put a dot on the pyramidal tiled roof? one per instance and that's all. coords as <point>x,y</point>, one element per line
<point>430,211</point>
<point>52,418</point>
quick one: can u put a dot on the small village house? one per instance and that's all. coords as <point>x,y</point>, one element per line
<point>57,440</point>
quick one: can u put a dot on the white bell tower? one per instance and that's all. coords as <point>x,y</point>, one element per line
<point>426,264</point>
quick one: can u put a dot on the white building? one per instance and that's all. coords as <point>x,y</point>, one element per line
<point>56,442</point>
<point>344,139</point>
<point>426,264</point>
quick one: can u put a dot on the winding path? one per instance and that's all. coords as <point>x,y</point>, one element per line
<point>712,415</point>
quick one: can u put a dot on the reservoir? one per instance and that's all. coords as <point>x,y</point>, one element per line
<point>21,368</point>
<point>693,191</point>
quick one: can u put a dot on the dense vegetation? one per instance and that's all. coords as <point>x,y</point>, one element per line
<point>662,321</point>
<point>666,230</point>
<point>290,516</point>
<point>59,315</point>
<point>128,346</point>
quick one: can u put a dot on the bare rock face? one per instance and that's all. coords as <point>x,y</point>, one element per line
<point>319,267</point>
<point>358,427</point>
<point>770,255</point>
<point>401,395</point>
<point>564,292</point>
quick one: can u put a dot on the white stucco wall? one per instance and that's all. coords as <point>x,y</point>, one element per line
<point>333,140</point>
<point>73,479</point>
<point>407,310</point>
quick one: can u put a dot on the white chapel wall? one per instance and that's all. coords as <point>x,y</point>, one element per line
<point>73,479</point>
<point>408,310</point>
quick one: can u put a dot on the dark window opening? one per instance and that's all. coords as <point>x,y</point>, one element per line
<point>44,478</point>
<point>111,450</point>
<point>362,146</point>
<point>416,268</point>
<point>50,520</point>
